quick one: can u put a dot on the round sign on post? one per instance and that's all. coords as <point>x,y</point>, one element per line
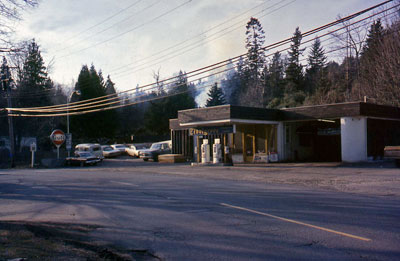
<point>58,139</point>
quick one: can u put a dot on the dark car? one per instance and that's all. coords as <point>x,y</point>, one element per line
<point>156,149</point>
<point>83,158</point>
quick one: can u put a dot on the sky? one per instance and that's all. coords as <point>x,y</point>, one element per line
<point>130,40</point>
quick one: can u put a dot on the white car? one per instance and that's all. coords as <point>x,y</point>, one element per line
<point>120,147</point>
<point>93,148</point>
<point>135,149</point>
<point>109,152</point>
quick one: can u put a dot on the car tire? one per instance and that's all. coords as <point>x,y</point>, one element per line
<point>145,159</point>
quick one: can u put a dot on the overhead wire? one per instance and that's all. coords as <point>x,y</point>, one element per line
<point>103,21</point>
<point>111,26</point>
<point>286,40</point>
<point>132,103</point>
<point>128,31</point>
<point>118,101</point>
<point>180,53</point>
<point>148,85</point>
<point>195,37</point>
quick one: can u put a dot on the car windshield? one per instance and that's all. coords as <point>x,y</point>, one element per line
<point>156,146</point>
<point>140,147</point>
<point>120,147</point>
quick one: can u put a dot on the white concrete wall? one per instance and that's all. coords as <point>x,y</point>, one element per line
<point>354,139</point>
<point>281,141</point>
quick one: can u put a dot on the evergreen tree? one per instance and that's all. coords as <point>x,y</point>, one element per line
<point>97,125</point>
<point>294,89</point>
<point>109,86</point>
<point>160,111</point>
<point>4,74</point>
<point>33,79</point>
<point>379,78</point>
<point>34,89</point>
<point>216,96</point>
<point>227,83</point>
<point>294,70</point>
<point>252,89</point>
<point>274,81</point>
<point>237,82</point>
<point>374,38</point>
<point>316,64</point>
<point>316,58</point>
<point>255,38</point>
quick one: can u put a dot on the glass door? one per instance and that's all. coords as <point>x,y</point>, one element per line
<point>249,142</point>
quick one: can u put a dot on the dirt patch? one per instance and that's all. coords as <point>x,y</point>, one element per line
<point>50,241</point>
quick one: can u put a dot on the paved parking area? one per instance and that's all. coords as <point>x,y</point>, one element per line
<point>378,178</point>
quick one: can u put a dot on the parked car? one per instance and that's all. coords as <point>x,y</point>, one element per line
<point>120,147</point>
<point>83,158</point>
<point>109,152</point>
<point>93,148</point>
<point>393,152</point>
<point>135,149</point>
<point>155,150</point>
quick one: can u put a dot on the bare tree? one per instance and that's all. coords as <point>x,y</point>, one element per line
<point>159,84</point>
<point>352,40</point>
<point>380,79</point>
<point>10,11</point>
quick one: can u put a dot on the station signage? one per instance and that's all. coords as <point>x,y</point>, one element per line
<point>329,132</point>
<point>204,131</point>
<point>57,137</point>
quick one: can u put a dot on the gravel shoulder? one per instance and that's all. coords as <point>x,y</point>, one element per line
<point>24,241</point>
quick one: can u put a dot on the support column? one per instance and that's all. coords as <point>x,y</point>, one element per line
<point>281,141</point>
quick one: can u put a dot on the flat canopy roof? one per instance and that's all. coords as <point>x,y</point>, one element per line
<point>228,114</point>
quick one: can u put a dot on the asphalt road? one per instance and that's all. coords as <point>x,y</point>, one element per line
<point>139,207</point>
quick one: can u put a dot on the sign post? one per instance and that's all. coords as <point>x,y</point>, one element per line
<point>68,142</point>
<point>58,139</point>
<point>33,148</point>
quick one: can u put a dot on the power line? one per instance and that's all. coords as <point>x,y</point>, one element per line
<point>112,103</point>
<point>307,33</point>
<point>192,38</point>
<point>181,51</point>
<point>139,69</point>
<point>130,30</point>
<point>111,26</point>
<point>123,105</point>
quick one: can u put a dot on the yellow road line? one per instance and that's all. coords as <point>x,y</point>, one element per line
<point>297,222</point>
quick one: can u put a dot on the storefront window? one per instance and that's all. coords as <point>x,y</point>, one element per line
<point>238,146</point>
<point>261,131</point>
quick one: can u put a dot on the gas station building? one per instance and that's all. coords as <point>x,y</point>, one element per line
<point>348,132</point>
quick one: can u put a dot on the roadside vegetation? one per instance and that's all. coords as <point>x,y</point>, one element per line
<point>364,68</point>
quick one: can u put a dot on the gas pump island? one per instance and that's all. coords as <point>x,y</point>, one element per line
<point>217,152</point>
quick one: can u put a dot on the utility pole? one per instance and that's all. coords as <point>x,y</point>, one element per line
<point>5,80</point>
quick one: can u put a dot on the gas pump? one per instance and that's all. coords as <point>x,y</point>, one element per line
<point>205,151</point>
<point>217,152</point>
